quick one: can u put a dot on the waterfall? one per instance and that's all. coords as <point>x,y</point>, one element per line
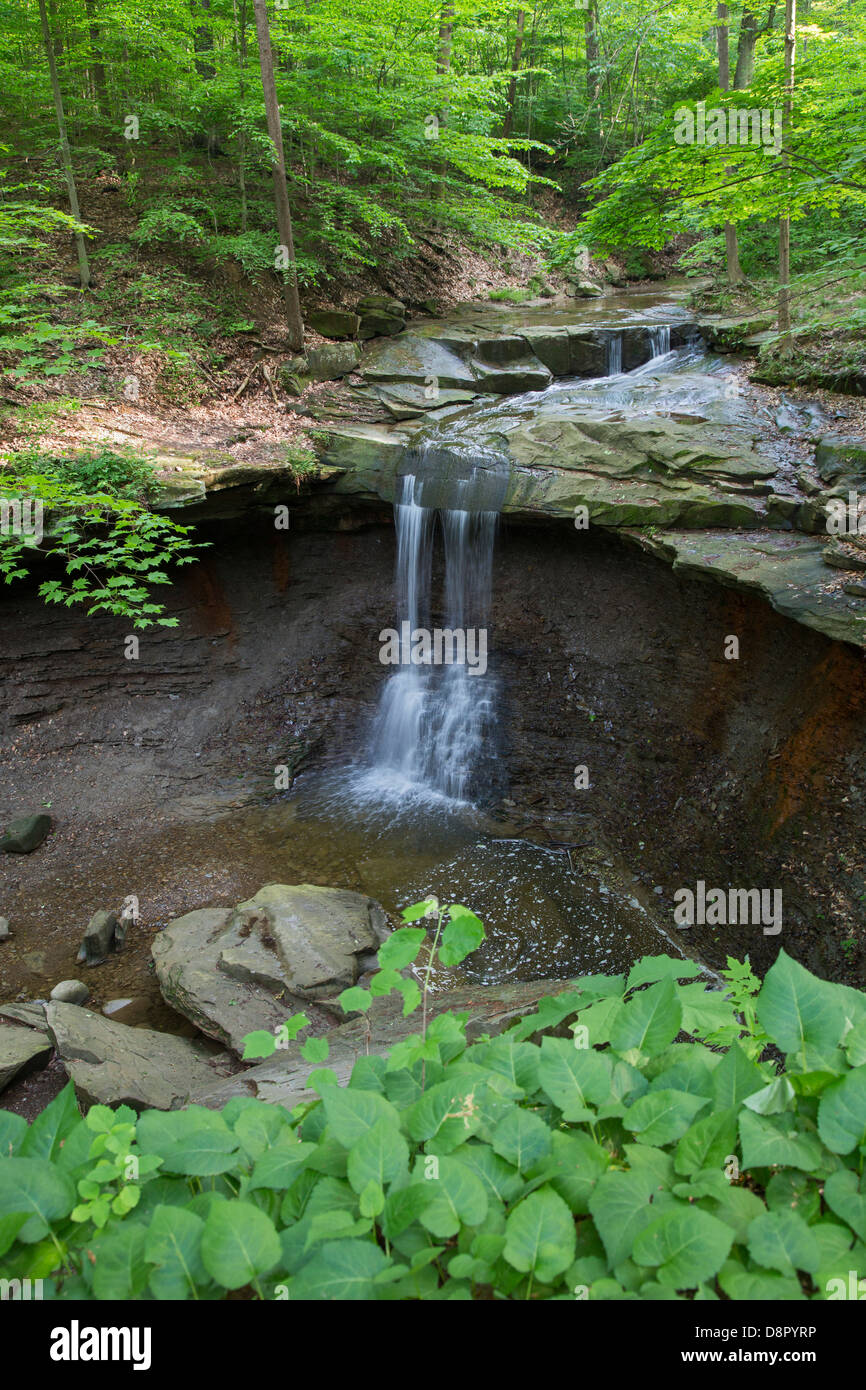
<point>660,340</point>
<point>436,712</point>
<point>613,365</point>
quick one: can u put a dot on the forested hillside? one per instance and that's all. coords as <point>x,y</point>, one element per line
<point>138,162</point>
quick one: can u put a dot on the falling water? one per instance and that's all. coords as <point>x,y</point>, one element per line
<point>660,340</point>
<point>435,720</point>
<point>614,354</point>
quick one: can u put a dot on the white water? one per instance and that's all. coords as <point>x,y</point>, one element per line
<point>434,721</point>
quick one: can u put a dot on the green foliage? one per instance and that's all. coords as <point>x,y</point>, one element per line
<point>111,550</point>
<point>616,1164</point>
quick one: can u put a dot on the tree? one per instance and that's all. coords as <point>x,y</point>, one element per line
<point>732,251</point>
<point>66,154</point>
<point>784,312</point>
<point>281,193</point>
<point>515,67</point>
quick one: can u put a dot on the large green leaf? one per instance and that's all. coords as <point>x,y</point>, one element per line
<point>521,1138</point>
<point>846,1195</point>
<point>649,1021</point>
<point>798,1010</point>
<point>574,1078</point>
<point>281,1164</point>
<point>686,1244</point>
<point>575,1166</point>
<point>239,1243</point>
<point>459,1197</point>
<point>12,1131</point>
<point>381,1155</point>
<point>119,1271</point>
<point>620,1205</point>
<point>401,947</point>
<point>540,1235</point>
<point>352,1113</point>
<point>463,935</point>
<point>34,1186</point>
<point>195,1141</point>
<point>842,1113</point>
<point>734,1078</point>
<point>53,1126</point>
<point>340,1270</point>
<point>707,1143</point>
<point>781,1240</point>
<point>659,1117</point>
<point>776,1139</point>
<point>173,1247</point>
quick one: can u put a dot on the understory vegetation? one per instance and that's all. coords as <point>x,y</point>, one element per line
<point>635,1138</point>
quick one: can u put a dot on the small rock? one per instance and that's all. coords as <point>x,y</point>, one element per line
<point>98,939</point>
<point>70,992</point>
<point>26,834</point>
<point>4,928</point>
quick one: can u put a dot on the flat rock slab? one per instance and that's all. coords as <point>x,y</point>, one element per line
<point>282,1079</point>
<point>234,971</point>
<point>21,1048</point>
<point>111,1064</point>
<point>786,568</point>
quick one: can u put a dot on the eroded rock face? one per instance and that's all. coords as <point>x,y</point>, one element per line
<point>111,1064</point>
<point>232,971</point>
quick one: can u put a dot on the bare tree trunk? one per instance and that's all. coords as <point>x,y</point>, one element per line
<point>281,192</point>
<point>785,222</point>
<point>515,65</point>
<point>97,67</point>
<point>66,153</point>
<point>732,250</point>
<point>241,30</point>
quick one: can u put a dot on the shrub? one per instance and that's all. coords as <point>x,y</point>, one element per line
<point>656,1152</point>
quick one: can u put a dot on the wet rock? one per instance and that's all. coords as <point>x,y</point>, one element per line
<point>332,361</point>
<point>837,455</point>
<point>70,992</point>
<point>98,939</point>
<point>585,289</point>
<point>21,1050</point>
<point>416,359</point>
<point>379,325</point>
<point>513,378</point>
<point>334,323</point>
<point>232,971</point>
<point>26,834</point>
<point>403,402</point>
<point>111,1064</point>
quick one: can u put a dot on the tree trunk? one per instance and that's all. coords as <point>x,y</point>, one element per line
<point>241,31</point>
<point>515,65</point>
<point>66,153</point>
<point>281,192</point>
<point>732,250</point>
<point>785,222</point>
<point>97,67</point>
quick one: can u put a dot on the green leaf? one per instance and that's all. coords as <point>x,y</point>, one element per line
<point>463,934</point>
<point>797,1009</point>
<point>119,1271</point>
<point>735,1078</point>
<point>404,1207</point>
<point>686,1244</point>
<point>34,1186</point>
<point>355,1000</point>
<point>173,1246</point>
<point>662,1116</point>
<point>620,1206</point>
<point>847,1198</point>
<point>781,1240</point>
<point>315,1050</point>
<point>649,1021</point>
<point>522,1139</point>
<point>758,1286</point>
<point>352,1113</point>
<point>380,1155</point>
<point>342,1271</point>
<point>400,948</point>
<point>12,1130</point>
<point>239,1242</point>
<point>259,1044</point>
<point>540,1236</point>
<point>842,1113</point>
<point>574,1078</point>
<point>459,1197</point>
<point>372,1199</point>
<point>54,1125</point>
<point>707,1143</point>
<point>775,1139</point>
<point>281,1165</point>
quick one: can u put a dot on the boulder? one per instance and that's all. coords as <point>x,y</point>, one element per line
<point>334,323</point>
<point>332,361</point>
<point>70,992</point>
<point>98,939</point>
<point>380,325</point>
<point>381,304</point>
<point>26,834</point>
<point>233,971</point>
<point>111,1064</point>
<point>21,1050</point>
<point>730,334</point>
<point>837,455</point>
<point>416,359</point>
